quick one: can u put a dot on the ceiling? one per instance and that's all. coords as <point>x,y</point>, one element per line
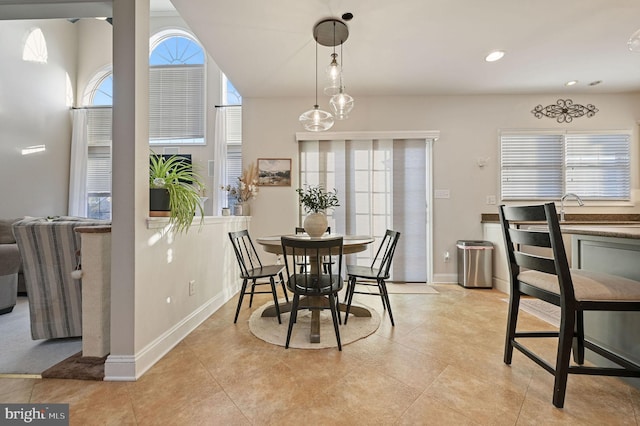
<point>406,47</point>
<point>423,47</point>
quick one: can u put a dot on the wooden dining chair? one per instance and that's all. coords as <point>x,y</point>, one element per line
<point>538,267</point>
<point>252,269</point>
<point>318,285</point>
<point>374,275</point>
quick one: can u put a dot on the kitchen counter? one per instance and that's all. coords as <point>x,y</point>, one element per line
<point>615,231</point>
<point>581,219</point>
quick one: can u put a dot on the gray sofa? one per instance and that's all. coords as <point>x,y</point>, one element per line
<point>50,250</point>
<point>11,275</point>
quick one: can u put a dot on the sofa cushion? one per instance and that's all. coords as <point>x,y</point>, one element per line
<point>6,231</point>
<point>9,259</point>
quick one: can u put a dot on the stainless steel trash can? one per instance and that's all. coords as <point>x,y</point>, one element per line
<point>475,267</point>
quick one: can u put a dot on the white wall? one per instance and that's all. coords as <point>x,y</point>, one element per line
<point>34,111</point>
<point>469,127</point>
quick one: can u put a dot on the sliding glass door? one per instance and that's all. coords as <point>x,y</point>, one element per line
<point>381,184</point>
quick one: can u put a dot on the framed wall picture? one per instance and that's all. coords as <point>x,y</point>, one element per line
<point>274,171</point>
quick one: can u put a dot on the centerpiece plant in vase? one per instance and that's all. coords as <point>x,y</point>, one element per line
<point>316,200</point>
<point>174,191</point>
<point>245,190</point>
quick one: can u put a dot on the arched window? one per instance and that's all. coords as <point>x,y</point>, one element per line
<point>176,89</point>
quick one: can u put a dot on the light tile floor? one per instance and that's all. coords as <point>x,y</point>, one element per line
<point>441,365</point>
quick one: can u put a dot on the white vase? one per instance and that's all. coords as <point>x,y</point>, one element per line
<point>315,224</point>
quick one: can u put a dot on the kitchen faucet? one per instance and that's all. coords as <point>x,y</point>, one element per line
<point>568,194</point>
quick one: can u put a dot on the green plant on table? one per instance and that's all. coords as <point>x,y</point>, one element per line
<point>315,199</point>
<point>173,174</point>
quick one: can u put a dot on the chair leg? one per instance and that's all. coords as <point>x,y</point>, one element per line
<point>385,299</point>
<point>284,288</point>
<point>567,324</point>
<point>348,289</point>
<point>292,318</point>
<point>351,289</point>
<point>275,298</point>
<point>242,290</point>
<point>334,308</point>
<point>512,320</point>
<point>253,289</point>
<point>578,340</point>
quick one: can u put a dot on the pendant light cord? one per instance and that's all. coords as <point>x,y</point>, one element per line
<point>316,73</point>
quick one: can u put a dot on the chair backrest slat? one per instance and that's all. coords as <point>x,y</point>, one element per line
<point>539,263</point>
<point>531,237</point>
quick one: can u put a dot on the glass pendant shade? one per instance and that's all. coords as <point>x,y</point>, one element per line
<point>341,104</point>
<point>334,75</point>
<point>634,42</point>
<point>316,120</point>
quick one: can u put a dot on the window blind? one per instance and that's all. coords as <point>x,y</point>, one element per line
<point>598,166</point>
<point>99,170</point>
<point>544,166</point>
<point>234,125</point>
<point>532,166</point>
<point>99,150</point>
<point>99,126</point>
<point>176,104</point>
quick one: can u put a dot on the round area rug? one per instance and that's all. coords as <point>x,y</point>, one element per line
<point>270,331</point>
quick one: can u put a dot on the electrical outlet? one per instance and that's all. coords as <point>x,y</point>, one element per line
<point>446,256</point>
<point>192,287</point>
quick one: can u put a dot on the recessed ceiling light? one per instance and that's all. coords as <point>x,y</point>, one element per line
<point>571,83</point>
<point>595,83</point>
<point>494,56</point>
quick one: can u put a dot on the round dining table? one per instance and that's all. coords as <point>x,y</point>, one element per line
<point>351,244</point>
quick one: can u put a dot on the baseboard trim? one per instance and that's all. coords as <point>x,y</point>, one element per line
<point>445,278</point>
<point>128,368</point>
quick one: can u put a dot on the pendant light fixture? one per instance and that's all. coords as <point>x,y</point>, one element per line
<point>316,120</point>
<point>341,103</point>
<point>334,70</point>
<point>329,32</point>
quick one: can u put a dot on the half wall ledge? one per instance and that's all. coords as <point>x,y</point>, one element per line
<point>161,222</point>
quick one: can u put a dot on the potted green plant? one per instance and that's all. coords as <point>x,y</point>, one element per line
<point>316,200</point>
<point>174,188</point>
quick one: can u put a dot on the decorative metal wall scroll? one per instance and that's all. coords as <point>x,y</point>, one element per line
<point>564,111</point>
